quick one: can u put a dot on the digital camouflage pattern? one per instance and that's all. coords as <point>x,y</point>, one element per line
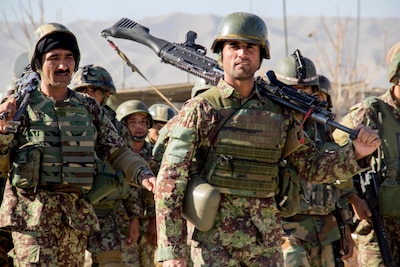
<point>60,228</point>
<point>308,236</point>
<point>241,222</point>
<point>54,226</point>
<point>368,248</point>
<point>109,236</point>
<point>314,235</point>
<point>142,253</point>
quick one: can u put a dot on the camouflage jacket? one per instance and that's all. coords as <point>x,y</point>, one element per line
<point>193,131</point>
<point>22,212</point>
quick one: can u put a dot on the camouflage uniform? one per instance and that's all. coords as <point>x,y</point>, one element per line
<point>247,229</point>
<point>5,238</point>
<point>365,112</point>
<point>310,234</point>
<point>57,231</point>
<point>309,228</point>
<point>110,237</point>
<point>142,253</point>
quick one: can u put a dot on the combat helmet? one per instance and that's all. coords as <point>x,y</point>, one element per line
<point>93,76</point>
<point>59,32</point>
<point>325,87</point>
<point>244,27</point>
<point>297,70</point>
<point>200,85</point>
<point>161,112</point>
<point>393,64</point>
<point>324,84</point>
<point>131,107</point>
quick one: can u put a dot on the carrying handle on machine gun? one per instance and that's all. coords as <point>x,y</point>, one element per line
<point>304,103</point>
<point>24,86</point>
<point>135,69</point>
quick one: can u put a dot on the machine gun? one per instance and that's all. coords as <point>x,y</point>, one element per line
<point>367,185</point>
<point>28,82</point>
<point>192,58</point>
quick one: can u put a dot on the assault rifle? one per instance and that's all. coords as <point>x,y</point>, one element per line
<point>367,185</point>
<point>22,90</point>
<point>192,58</point>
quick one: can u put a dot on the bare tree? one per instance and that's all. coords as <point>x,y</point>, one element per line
<point>27,22</point>
<point>349,79</point>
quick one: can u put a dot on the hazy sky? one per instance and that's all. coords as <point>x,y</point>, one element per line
<point>65,11</point>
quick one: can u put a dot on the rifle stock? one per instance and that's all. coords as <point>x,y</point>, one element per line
<point>179,55</point>
<point>192,58</point>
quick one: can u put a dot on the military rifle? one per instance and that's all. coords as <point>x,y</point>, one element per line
<point>192,58</point>
<point>23,87</point>
<point>367,185</point>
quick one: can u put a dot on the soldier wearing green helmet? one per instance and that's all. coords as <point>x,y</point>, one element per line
<point>383,114</point>
<point>110,190</point>
<point>50,162</point>
<point>325,89</point>
<point>138,119</point>
<point>298,71</point>
<point>310,231</point>
<point>161,114</point>
<point>95,81</point>
<point>234,138</point>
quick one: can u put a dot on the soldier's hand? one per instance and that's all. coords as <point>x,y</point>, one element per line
<point>149,184</point>
<point>367,142</point>
<point>360,207</point>
<point>8,109</point>
<point>181,262</point>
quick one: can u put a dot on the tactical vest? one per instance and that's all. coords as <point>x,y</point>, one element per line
<point>389,131</point>
<point>244,158</point>
<point>390,135</point>
<point>317,199</point>
<point>64,134</point>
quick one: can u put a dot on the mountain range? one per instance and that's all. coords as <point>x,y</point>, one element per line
<point>318,38</point>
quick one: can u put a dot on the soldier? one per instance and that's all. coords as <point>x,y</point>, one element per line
<point>52,158</point>
<point>105,245</point>
<point>161,114</point>
<point>135,115</point>
<point>324,92</point>
<point>236,137</point>
<point>383,114</point>
<point>309,234</point>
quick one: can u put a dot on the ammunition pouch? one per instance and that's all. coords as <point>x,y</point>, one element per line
<point>293,143</point>
<point>389,190</point>
<point>26,166</point>
<point>110,258</point>
<point>103,185</point>
<point>288,196</point>
<point>201,203</point>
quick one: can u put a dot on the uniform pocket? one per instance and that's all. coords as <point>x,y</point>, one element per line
<point>26,167</point>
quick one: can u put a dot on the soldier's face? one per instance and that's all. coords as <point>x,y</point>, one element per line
<point>240,60</point>
<point>58,67</point>
<point>137,124</point>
